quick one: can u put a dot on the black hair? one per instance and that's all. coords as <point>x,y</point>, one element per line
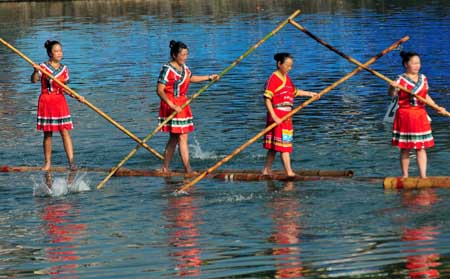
<point>49,46</point>
<point>282,56</point>
<point>407,55</point>
<point>176,47</point>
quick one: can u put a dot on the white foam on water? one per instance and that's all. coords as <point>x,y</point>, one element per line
<point>234,198</point>
<point>197,152</point>
<point>60,186</point>
<point>80,183</point>
<point>180,193</point>
<point>41,189</point>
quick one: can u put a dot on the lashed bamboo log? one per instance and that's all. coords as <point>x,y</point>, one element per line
<point>6,168</point>
<point>72,93</point>
<point>416,182</point>
<point>142,172</point>
<point>242,176</point>
<point>354,61</point>
<point>226,70</point>
<point>294,111</point>
<point>336,173</point>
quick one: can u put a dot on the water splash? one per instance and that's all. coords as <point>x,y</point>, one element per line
<point>178,193</point>
<point>198,153</point>
<point>59,186</point>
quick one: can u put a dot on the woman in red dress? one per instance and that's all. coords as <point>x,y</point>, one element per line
<point>412,129</point>
<point>279,96</point>
<point>173,85</point>
<point>53,112</point>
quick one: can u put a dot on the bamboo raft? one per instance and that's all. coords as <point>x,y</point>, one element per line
<point>389,183</point>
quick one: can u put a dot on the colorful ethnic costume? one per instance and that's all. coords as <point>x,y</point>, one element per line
<point>177,85</point>
<point>53,112</point>
<point>412,129</point>
<point>281,91</point>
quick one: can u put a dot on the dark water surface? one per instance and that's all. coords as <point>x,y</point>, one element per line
<point>136,228</point>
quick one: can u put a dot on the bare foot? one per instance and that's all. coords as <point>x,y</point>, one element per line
<point>190,174</point>
<point>266,172</point>
<point>46,167</point>
<point>291,174</point>
<point>163,170</point>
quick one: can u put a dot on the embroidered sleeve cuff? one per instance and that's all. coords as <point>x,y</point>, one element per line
<point>162,81</point>
<point>268,94</point>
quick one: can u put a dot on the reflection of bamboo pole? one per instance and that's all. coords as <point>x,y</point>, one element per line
<point>290,114</point>
<point>416,182</point>
<point>86,102</point>
<point>226,70</point>
<point>354,61</point>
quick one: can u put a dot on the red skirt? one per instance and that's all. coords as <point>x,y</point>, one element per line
<point>412,129</point>
<point>53,113</point>
<point>280,137</point>
<point>182,122</point>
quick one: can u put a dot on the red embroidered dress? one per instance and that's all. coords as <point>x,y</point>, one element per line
<point>177,85</point>
<point>412,129</point>
<point>53,112</point>
<point>281,91</point>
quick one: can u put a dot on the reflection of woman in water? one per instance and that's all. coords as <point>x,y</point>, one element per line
<point>422,261</point>
<point>63,234</point>
<point>286,234</point>
<point>183,221</point>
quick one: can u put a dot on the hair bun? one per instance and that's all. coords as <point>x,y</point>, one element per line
<point>407,55</point>
<point>281,57</point>
<point>47,43</point>
<point>172,43</point>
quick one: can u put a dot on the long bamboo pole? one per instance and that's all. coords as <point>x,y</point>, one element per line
<point>86,102</point>
<point>354,61</point>
<point>226,70</point>
<point>290,114</point>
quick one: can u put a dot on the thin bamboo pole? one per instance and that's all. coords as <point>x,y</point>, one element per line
<point>86,102</point>
<point>354,61</point>
<point>297,109</point>
<point>226,70</point>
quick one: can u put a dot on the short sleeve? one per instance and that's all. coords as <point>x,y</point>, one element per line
<point>67,78</point>
<point>270,87</point>
<point>42,65</point>
<point>426,82</point>
<point>163,74</point>
<point>188,71</point>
